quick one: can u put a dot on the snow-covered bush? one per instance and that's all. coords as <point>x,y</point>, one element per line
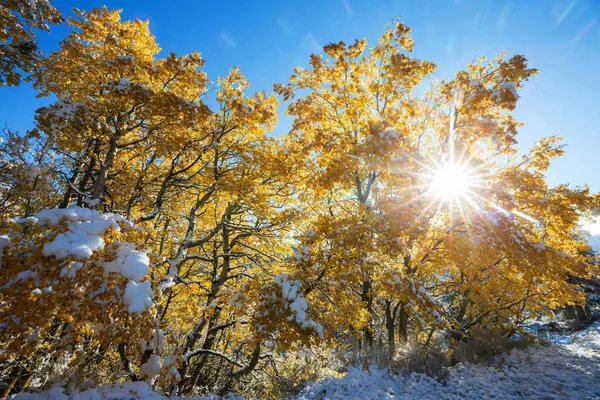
<point>73,289</point>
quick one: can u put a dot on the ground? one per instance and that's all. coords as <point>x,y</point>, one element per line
<point>568,368</point>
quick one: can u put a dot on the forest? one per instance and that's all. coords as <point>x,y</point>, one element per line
<point>151,229</point>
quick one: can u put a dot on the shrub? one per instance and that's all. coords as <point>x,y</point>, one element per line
<point>294,369</point>
<point>430,360</point>
<point>485,343</point>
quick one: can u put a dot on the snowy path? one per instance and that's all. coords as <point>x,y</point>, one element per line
<point>566,371</point>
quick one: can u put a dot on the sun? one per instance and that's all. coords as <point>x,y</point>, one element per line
<point>451,181</point>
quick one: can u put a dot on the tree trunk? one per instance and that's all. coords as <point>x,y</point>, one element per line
<point>389,324</point>
<point>208,345</point>
<point>97,196</point>
<point>366,297</point>
<point>403,324</point>
<point>575,312</point>
<point>464,304</point>
<point>240,373</point>
<point>581,314</point>
<point>217,282</point>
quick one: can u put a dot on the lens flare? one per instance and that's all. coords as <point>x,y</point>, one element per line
<point>450,181</point>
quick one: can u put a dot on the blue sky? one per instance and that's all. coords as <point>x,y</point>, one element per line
<point>267,38</point>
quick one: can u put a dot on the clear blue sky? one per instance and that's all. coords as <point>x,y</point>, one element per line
<point>267,38</point>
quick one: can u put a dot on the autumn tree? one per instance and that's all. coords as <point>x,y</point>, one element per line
<point>415,217</point>
<point>25,171</point>
<point>209,191</point>
<point>518,245</point>
<point>23,161</point>
<point>115,97</point>
<point>18,49</point>
<point>237,211</point>
<point>350,128</point>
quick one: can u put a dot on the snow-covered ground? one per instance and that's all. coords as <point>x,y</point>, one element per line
<point>570,369</point>
<point>123,391</point>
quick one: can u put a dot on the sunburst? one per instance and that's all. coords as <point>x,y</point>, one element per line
<point>450,181</point>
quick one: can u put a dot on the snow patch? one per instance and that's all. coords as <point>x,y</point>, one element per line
<point>130,263</point>
<point>80,241</point>
<point>85,236</point>
<point>70,270</point>
<point>158,341</point>
<point>26,275</point>
<point>151,368</point>
<point>291,291</point>
<point>138,296</point>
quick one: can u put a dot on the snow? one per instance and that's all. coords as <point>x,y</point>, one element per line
<point>539,246</point>
<point>158,341</point>
<point>4,240</point>
<point>567,371</point>
<point>64,109</point>
<point>130,263</point>
<point>85,236</point>
<point>510,86</point>
<point>91,202</point>
<point>21,276</point>
<point>81,240</point>
<point>138,296</point>
<point>290,290</point>
<point>128,390</point>
<point>507,86</point>
<point>389,135</point>
<point>151,368</point>
<point>122,84</point>
<point>70,270</point>
<point>301,256</point>
<point>53,217</point>
<point>238,300</point>
<point>169,280</point>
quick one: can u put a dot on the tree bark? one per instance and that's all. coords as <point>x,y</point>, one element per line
<point>403,324</point>
<point>389,324</point>
<point>366,297</point>
<point>100,183</point>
